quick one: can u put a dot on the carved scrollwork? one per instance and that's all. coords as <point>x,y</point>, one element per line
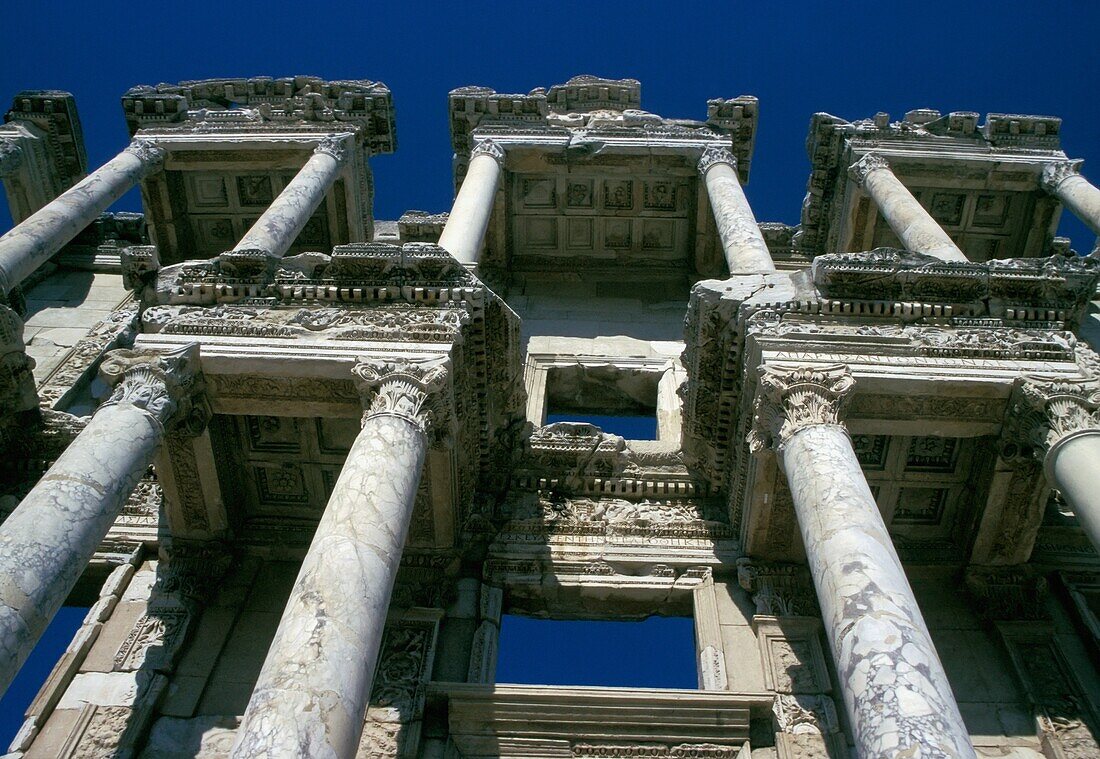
<point>1060,408</point>
<point>489,148</point>
<point>714,155</point>
<point>335,146</point>
<point>859,170</point>
<point>148,152</point>
<point>792,398</point>
<point>1056,173</point>
<point>403,389</point>
<point>164,384</point>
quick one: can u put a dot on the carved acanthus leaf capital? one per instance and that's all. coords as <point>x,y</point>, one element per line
<point>406,389</point>
<point>1063,406</point>
<point>714,155</point>
<point>148,152</point>
<point>166,385</point>
<point>792,398</point>
<point>489,148</point>
<point>11,157</point>
<point>1056,173</point>
<point>859,170</point>
<point>335,146</point>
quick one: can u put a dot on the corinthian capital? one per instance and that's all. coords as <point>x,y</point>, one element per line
<point>11,156</point>
<point>1060,408</point>
<point>148,152</point>
<point>714,155</point>
<point>859,170</point>
<point>335,146</point>
<point>405,389</point>
<point>166,385</point>
<point>1056,173</point>
<point>792,398</point>
<point>489,148</point>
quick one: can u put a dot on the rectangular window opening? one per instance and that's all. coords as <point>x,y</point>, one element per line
<point>618,400</point>
<point>658,652</point>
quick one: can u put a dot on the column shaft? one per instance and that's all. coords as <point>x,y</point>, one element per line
<point>313,689</point>
<point>895,690</point>
<point>913,225</point>
<point>46,231</point>
<point>1072,465</point>
<point>469,218</point>
<point>742,244</point>
<point>1080,197</point>
<point>53,533</point>
<point>277,229</point>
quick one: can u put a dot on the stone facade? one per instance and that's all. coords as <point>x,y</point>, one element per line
<point>302,465</point>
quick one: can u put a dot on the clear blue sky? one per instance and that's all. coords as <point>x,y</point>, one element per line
<point>850,59</point>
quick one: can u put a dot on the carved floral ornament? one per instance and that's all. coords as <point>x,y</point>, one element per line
<point>794,397</point>
<point>489,148</point>
<point>1056,173</point>
<point>164,384</point>
<point>714,155</point>
<point>335,146</point>
<point>1064,406</point>
<point>148,152</point>
<point>859,170</point>
<point>406,389</point>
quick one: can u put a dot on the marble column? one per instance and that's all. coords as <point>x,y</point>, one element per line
<point>469,218</point>
<point>742,244</point>
<point>896,693</point>
<point>1063,180</point>
<point>53,533</point>
<point>47,230</point>
<point>913,225</point>
<point>315,683</point>
<point>1068,438</point>
<point>277,229</point>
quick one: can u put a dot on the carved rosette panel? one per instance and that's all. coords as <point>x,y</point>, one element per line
<point>164,384</point>
<point>408,390</point>
<point>792,398</point>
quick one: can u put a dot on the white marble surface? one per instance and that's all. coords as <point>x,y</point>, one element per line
<point>313,689</point>
<point>1072,466</point>
<point>469,217</point>
<point>896,692</point>
<point>277,229</point>
<point>743,245</point>
<point>1082,198</point>
<point>50,537</point>
<point>913,225</point>
<point>29,245</point>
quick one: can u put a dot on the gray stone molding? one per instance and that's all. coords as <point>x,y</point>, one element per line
<point>402,389</point>
<point>1056,173</point>
<point>163,384</point>
<point>792,398</point>
<point>859,170</point>
<point>11,157</point>
<point>714,155</point>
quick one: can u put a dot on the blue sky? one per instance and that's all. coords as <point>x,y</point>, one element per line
<point>850,59</point>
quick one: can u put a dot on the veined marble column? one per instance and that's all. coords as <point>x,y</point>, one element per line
<point>277,229</point>
<point>53,533</point>
<point>1063,180</point>
<point>43,233</point>
<point>1070,435</point>
<point>913,225</point>
<point>469,218</point>
<point>898,699</point>
<point>743,245</point>
<point>313,690</point>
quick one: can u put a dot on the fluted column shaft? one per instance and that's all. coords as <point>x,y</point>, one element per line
<point>742,244</point>
<point>53,533</point>
<point>913,225</point>
<point>895,690</point>
<point>315,683</point>
<point>278,227</point>
<point>469,218</point>
<point>30,244</point>
<point>1064,181</point>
